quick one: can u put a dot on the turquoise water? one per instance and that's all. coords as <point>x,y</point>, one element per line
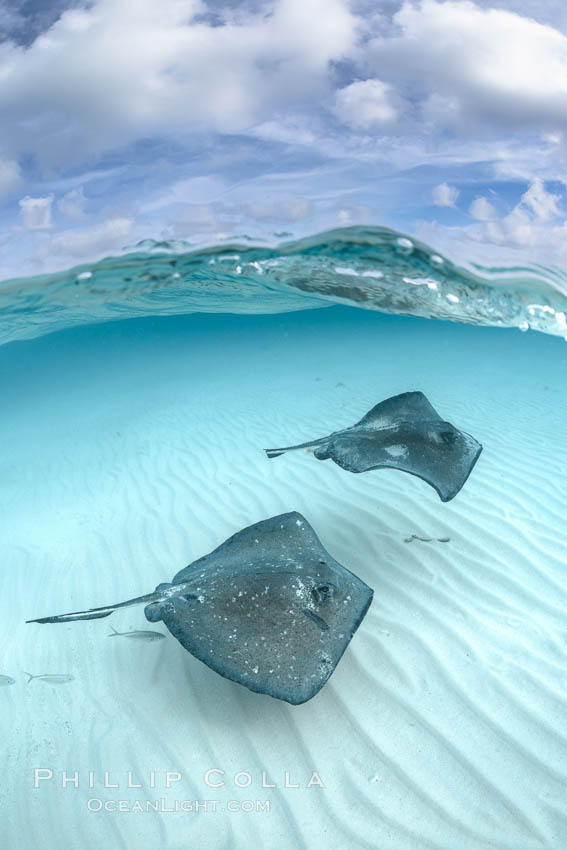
<point>132,445</point>
<point>369,267</point>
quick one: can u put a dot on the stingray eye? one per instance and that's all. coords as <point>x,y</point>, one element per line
<point>444,433</point>
<point>448,436</point>
<point>322,593</point>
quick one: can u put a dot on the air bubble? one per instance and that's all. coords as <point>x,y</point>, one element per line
<point>404,246</point>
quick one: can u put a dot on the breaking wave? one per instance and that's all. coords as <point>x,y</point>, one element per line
<point>374,268</point>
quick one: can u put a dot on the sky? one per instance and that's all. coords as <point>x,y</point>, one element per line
<point>123,120</point>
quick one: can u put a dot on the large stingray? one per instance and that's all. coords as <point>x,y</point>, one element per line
<point>270,609</point>
<point>404,432</point>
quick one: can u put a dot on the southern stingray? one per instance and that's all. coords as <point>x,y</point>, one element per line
<point>403,432</point>
<point>269,608</point>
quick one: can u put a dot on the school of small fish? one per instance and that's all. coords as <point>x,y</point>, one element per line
<point>63,678</point>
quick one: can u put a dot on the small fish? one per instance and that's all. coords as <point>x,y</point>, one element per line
<point>51,678</point>
<point>427,539</point>
<point>6,680</point>
<point>138,634</point>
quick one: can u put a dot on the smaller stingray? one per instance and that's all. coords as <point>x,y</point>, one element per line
<point>404,432</point>
<point>269,608</point>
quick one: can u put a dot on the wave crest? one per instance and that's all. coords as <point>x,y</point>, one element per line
<point>367,267</point>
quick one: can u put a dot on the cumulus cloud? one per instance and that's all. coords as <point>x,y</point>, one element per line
<point>536,222</point>
<point>72,205</point>
<point>103,76</point>
<point>471,67</point>
<point>482,210</point>
<point>528,232</point>
<point>36,212</point>
<point>366,104</point>
<point>543,204</point>
<point>445,195</point>
<point>516,230</point>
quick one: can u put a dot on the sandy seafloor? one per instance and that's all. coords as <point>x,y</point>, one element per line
<point>128,450</point>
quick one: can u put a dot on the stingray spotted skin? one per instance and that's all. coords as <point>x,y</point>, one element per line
<point>269,609</point>
<point>404,432</point>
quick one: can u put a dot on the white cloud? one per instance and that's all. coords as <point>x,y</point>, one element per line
<point>482,209</point>
<point>117,71</point>
<point>527,225</point>
<point>471,67</point>
<point>72,205</point>
<point>542,203</point>
<point>36,212</point>
<point>445,195</point>
<point>10,178</point>
<point>91,243</point>
<point>366,104</point>
<point>517,229</point>
<point>521,235</point>
<point>532,223</point>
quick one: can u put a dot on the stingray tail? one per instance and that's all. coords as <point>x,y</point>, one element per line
<point>163,592</point>
<point>97,613</point>
<point>310,444</point>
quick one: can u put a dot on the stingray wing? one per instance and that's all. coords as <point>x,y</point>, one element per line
<point>399,408</point>
<point>438,453</point>
<point>273,610</point>
<point>275,539</point>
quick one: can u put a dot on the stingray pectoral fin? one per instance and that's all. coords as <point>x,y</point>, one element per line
<point>399,408</point>
<point>277,452</point>
<point>98,613</point>
<point>445,466</point>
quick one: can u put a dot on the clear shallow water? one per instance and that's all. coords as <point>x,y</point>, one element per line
<point>131,448</point>
<point>370,267</point>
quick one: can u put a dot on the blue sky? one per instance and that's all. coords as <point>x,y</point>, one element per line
<point>185,119</point>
